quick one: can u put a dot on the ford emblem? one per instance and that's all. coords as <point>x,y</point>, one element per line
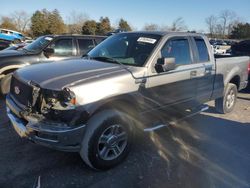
<point>17,90</point>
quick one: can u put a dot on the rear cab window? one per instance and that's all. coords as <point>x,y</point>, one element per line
<point>203,55</point>
<point>85,45</point>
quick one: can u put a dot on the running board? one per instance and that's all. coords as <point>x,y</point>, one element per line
<point>155,128</point>
<point>150,129</point>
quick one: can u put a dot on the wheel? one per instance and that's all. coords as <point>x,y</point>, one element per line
<point>5,84</point>
<point>107,140</point>
<point>226,103</point>
<point>16,41</point>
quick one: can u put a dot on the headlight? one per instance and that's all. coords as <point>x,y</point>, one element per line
<point>68,96</point>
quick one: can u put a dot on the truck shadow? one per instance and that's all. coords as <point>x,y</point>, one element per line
<point>203,152</point>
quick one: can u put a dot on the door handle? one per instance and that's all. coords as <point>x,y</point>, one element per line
<point>193,74</point>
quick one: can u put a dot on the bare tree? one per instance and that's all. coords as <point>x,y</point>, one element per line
<point>21,19</point>
<point>178,25</point>
<point>227,17</point>
<point>76,21</point>
<point>151,27</point>
<point>211,22</point>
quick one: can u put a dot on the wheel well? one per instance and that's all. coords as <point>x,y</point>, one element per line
<point>9,71</point>
<point>235,80</point>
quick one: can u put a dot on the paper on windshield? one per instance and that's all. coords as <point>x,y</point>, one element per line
<point>146,40</point>
<point>48,38</point>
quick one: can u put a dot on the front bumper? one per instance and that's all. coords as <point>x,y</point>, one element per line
<point>51,134</point>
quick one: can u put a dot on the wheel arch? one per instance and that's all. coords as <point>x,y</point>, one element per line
<point>235,80</point>
<point>126,103</point>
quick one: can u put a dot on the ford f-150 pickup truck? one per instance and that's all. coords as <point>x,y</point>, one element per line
<point>131,81</point>
<point>50,48</point>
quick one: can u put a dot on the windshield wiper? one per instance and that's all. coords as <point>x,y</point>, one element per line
<point>106,59</point>
<point>86,56</point>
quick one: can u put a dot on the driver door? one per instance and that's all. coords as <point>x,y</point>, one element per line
<point>176,88</point>
<point>64,48</point>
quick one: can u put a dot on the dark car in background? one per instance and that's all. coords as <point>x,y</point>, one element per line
<point>45,49</point>
<point>242,49</point>
<point>4,44</point>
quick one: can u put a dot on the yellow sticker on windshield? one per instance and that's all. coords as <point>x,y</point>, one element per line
<point>146,40</point>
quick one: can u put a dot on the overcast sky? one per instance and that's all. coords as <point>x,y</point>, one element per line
<point>137,12</point>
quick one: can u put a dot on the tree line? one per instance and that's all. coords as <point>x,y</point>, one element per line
<point>43,22</point>
<point>224,25</point>
<point>227,24</point>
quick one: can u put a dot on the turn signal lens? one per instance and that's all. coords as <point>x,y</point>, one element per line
<point>73,101</point>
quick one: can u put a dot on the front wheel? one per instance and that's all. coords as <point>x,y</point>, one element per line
<point>226,103</point>
<point>107,140</point>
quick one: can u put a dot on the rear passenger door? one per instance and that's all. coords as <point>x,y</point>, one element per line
<point>206,70</point>
<point>85,45</point>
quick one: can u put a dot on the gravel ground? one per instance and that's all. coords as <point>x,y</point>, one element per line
<point>207,150</point>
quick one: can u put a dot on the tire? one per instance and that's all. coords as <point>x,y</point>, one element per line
<point>107,140</point>
<point>5,84</point>
<point>16,41</point>
<point>226,103</point>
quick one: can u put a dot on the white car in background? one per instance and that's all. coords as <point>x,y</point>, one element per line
<point>219,50</point>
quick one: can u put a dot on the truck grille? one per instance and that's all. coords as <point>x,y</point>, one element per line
<point>22,92</point>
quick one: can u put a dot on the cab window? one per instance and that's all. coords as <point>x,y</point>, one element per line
<point>62,47</point>
<point>202,50</point>
<point>178,49</point>
<point>85,45</point>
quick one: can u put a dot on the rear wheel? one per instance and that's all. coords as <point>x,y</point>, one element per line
<point>107,140</point>
<point>226,103</point>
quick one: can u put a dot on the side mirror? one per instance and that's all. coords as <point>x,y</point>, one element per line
<point>48,52</point>
<point>165,64</point>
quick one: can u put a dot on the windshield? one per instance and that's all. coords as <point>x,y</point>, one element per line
<point>126,48</point>
<point>38,44</point>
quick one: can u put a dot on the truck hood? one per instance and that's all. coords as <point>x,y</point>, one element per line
<point>11,53</point>
<point>58,75</point>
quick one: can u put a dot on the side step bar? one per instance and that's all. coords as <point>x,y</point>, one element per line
<point>154,128</point>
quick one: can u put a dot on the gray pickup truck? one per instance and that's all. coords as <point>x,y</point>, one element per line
<point>131,81</point>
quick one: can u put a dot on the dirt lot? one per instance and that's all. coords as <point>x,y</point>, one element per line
<point>208,150</point>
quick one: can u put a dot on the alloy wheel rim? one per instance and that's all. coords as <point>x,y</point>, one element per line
<point>112,142</point>
<point>230,99</point>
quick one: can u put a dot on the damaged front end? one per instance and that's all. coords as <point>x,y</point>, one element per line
<point>47,117</point>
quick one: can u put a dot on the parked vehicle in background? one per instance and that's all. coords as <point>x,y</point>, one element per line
<point>219,50</point>
<point>116,31</point>
<point>4,44</point>
<point>10,35</point>
<point>45,49</point>
<point>15,46</point>
<point>242,48</point>
<point>130,81</point>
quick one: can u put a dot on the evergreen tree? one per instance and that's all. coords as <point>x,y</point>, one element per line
<point>123,25</point>
<point>241,31</point>
<point>55,23</point>
<point>39,23</point>
<point>89,27</point>
<point>103,27</point>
